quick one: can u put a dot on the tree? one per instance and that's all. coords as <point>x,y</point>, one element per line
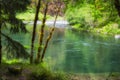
<point>0,44</point>
<point>8,10</point>
<point>34,30</point>
<point>42,34</point>
<point>51,32</point>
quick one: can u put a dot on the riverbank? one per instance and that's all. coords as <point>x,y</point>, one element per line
<point>20,71</point>
<point>39,72</point>
<point>111,30</point>
<point>88,17</point>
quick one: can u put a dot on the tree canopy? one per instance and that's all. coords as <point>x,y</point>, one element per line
<point>8,11</point>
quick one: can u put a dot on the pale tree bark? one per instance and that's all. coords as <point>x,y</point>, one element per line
<point>51,32</point>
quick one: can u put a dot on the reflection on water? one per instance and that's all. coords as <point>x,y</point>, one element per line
<point>83,53</point>
<point>79,52</point>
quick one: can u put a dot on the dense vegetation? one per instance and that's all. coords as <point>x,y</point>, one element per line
<point>99,16</point>
<point>95,16</point>
<point>11,24</point>
<point>10,11</point>
<point>8,21</point>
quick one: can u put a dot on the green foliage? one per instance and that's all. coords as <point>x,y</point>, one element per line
<point>39,72</point>
<point>28,15</point>
<point>11,61</point>
<point>46,75</point>
<point>111,28</point>
<point>8,9</point>
<point>90,15</point>
<point>83,16</point>
<point>14,49</point>
<point>30,72</point>
<point>14,5</point>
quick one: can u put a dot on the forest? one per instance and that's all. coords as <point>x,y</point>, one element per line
<point>59,39</point>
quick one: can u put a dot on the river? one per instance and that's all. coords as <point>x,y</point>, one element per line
<point>78,52</point>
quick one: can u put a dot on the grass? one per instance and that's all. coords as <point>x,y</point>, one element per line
<point>40,72</point>
<point>29,72</point>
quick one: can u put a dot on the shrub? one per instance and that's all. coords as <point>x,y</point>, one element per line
<point>39,72</point>
<point>84,16</point>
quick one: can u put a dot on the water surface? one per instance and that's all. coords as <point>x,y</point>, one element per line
<point>78,52</point>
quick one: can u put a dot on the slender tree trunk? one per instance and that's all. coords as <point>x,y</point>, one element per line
<point>0,35</point>
<point>0,44</point>
<point>34,31</point>
<point>41,35</point>
<point>51,32</point>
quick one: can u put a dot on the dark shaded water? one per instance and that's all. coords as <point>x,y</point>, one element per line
<point>77,52</point>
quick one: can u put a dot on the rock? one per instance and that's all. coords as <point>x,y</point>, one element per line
<point>117,36</point>
<point>15,70</point>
